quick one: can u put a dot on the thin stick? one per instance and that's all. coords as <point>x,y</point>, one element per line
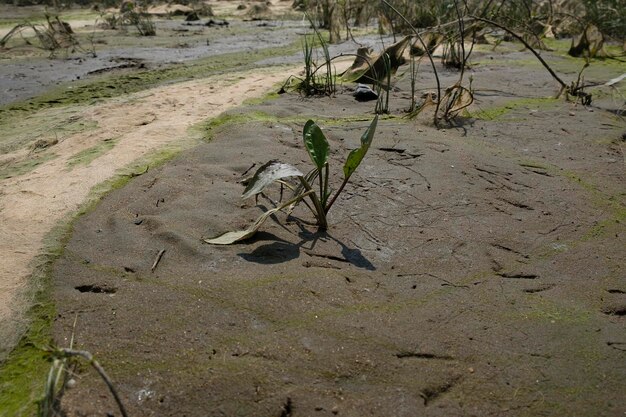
<point>158,259</point>
<point>519,38</point>
<point>73,331</point>
<point>89,357</point>
<point>462,33</point>
<point>321,214</point>
<point>430,57</point>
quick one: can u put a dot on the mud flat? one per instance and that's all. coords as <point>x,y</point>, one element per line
<point>472,270</point>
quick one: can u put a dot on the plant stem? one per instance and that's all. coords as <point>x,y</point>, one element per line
<point>430,58</point>
<point>325,195</point>
<point>332,201</point>
<point>321,214</point>
<point>321,181</point>
<point>388,68</point>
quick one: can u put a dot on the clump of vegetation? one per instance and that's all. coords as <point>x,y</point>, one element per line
<point>609,16</point>
<point>314,82</point>
<point>330,15</point>
<point>314,186</point>
<point>130,14</point>
<point>135,15</point>
<point>54,36</point>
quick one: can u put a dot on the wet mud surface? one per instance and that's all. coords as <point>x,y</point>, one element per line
<point>475,270</point>
<point>178,43</point>
<point>182,42</point>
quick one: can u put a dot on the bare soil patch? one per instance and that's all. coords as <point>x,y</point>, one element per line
<point>475,270</point>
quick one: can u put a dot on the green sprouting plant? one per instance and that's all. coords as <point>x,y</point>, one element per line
<point>308,83</point>
<point>313,84</point>
<point>321,199</point>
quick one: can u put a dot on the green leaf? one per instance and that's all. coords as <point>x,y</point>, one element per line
<point>316,144</point>
<point>267,174</point>
<point>356,156</point>
<point>237,236</point>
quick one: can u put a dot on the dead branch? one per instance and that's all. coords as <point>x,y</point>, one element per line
<point>94,363</point>
<point>521,39</point>
<point>158,259</point>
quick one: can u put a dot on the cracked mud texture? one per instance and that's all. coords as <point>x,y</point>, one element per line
<point>473,271</point>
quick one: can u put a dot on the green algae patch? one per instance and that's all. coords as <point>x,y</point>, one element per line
<point>21,130</point>
<point>86,156</point>
<point>598,198</point>
<point>25,166</point>
<point>546,310</point>
<point>22,377</point>
<point>496,113</point>
<point>23,372</point>
<point>114,85</point>
<point>209,128</point>
<point>260,100</point>
<point>607,226</point>
<point>560,46</point>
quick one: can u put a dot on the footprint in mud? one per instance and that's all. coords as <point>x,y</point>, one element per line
<point>615,303</point>
<point>617,309</point>
<point>96,289</point>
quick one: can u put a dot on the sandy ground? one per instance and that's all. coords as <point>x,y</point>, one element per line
<point>31,204</point>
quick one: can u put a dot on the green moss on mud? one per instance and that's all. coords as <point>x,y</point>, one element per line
<point>544,309</point>
<point>617,216</point>
<point>273,95</point>
<point>606,226</point>
<point>22,374</point>
<point>496,113</point>
<point>25,166</point>
<point>612,205</point>
<point>86,156</point>
<point>18,132</point>
<point>211,127</point>
<point>114,85</point>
